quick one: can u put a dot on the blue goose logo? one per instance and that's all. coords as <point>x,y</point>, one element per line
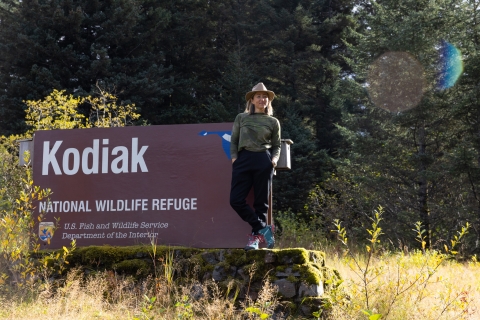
<point>45,231</point>
<point>225,135</point>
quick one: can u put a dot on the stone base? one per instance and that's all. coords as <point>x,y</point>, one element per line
<point>300,275</point>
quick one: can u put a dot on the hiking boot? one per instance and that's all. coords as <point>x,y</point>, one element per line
<point>267,234</point>
<point>253,242</point>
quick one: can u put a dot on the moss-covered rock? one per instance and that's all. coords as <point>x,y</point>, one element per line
<point>235,257</point>
<point>293,256</point>
<point>302,273</point>
<point>137,267</point>
<point>98,257</point>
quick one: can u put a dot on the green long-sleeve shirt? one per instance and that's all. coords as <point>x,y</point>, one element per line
<point>255,132</point>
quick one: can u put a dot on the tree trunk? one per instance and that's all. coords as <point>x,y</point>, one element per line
<point>424,211</point>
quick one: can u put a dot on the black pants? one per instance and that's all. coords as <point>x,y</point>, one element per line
<point>252,169</point>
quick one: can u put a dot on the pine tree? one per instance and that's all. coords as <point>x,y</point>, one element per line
<point>465,157</point>
<point>73,45</point>
<point>399,158</point>
<point>187,61</point>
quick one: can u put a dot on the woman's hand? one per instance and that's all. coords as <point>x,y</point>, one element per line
<point>233,160</point>
<point>274,163</point>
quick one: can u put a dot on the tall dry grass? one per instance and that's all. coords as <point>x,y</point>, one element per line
<point>401,286</point>
<point>107,296</point>
<point>381,283</point>
<point>408,286</point>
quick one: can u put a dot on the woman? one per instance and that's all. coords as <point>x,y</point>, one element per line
<point>255,149</point>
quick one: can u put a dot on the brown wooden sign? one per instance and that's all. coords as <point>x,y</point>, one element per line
<point>125,186</point>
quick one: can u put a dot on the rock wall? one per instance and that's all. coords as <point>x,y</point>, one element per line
<point>301,275</point>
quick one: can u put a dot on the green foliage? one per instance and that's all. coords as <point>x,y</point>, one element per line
<point>56,111</point>
<point>17,238</point>
<point>106,113</point>
<point>51,266</point>
<point>257,311</point>
<point>295,231</point>
<point>371,315</point>
<point>61,111</point>
<point>184,309</point>
<point>168,270</point>
<point>364,271</point>
<point>456,240</point>
<point>20,258</point>
<point>317,314</point>
<point>420,235</point>
<point>18,195</point>
<point>57,260</point>
<point>148,305</point>
<point>374,265</point>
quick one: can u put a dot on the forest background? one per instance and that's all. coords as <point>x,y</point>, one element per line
<point>192,61</point>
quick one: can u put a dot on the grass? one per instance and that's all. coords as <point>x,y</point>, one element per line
<point>402,286</point>
<point>409,286</point>
<point>105,296</point>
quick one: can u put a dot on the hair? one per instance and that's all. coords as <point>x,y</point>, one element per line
<point>250,107</point>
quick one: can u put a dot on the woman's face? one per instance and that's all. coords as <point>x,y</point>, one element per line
<point>260,100</point>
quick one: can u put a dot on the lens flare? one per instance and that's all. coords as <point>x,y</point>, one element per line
<point>450,65</point>
<point>395,81</point>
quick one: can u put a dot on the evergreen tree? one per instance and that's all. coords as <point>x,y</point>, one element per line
<point>74,45</point>
<point>187,61</point>
<point>398,158</point>
<point>465,157</point>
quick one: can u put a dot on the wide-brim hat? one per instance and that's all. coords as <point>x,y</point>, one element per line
<point>260,87</point>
